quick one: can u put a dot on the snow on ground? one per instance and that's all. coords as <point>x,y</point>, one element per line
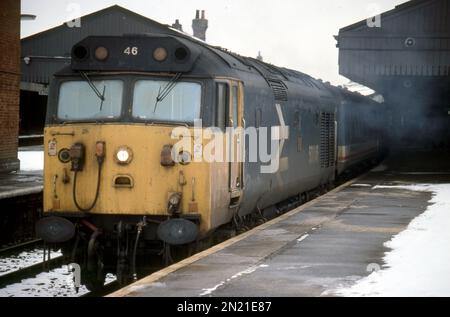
<point>31,161</point>
<point>23,260</point>
<point>56,283</point>
<point>419,262</point>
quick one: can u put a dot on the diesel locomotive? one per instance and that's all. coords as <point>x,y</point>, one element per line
<point>128,125</point>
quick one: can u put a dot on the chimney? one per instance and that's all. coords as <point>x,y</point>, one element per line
<point>177,25</point>
<point>200,25</point>
<point>259,57</point>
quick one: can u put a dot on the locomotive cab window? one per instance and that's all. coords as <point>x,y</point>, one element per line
<point>78,100</point>
<point>227,115</point>
<point>163,101</point>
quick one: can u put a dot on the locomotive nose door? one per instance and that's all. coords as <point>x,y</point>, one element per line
<point>236,125</point>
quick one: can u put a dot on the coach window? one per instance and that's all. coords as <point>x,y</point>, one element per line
<point>222,105</point>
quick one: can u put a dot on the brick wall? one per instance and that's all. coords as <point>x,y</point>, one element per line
<point>9,83</point>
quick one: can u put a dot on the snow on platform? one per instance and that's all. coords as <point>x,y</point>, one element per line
<point>419,261</point>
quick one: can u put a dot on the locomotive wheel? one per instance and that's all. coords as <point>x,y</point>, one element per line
<point>260,221</point>
<point>94,281</point>
<point>92,277</point>
<point>242,230</point>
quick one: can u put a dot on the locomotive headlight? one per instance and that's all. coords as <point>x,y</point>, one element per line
<point>101,53</point>
<point>124,155</point>
<point>174,200</point>
<point>160,54</point>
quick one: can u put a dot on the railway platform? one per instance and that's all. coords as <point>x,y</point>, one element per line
<point>314,250</point>
<point>29,180</point>
<point>21,198</point>
<point>20,184</point>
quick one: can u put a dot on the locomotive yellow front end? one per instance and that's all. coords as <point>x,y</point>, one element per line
<point>113,169</point>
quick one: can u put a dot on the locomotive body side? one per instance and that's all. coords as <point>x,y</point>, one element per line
<point>301,167</point>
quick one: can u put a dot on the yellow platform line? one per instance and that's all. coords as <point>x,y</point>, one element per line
<point>175,267</point>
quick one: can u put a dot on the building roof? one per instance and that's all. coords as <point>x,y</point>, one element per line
<point>95,15</point>
<point>398,10</point>
<point>411,45</point>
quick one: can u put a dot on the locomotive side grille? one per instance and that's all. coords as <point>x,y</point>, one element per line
<point>327,140</point>
<point>279,89</point>
<point>333,140</point>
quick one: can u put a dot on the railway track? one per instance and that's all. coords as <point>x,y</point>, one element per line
<point>31,271</point>
<point>17,247</point>
<point>21,277</point>
<point>25,268</point>
<point>25,275</point>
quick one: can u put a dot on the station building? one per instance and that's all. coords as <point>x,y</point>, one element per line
<point>9,83</point>
<point>404,54</point>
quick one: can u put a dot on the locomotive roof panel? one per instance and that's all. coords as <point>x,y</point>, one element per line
<point>155,53</point>
<point>214,60</point>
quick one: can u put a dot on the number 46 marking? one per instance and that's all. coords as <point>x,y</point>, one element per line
<point>131,51</point>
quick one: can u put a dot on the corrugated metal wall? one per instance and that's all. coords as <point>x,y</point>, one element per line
<point>58,42</point>
<point>414,40</point>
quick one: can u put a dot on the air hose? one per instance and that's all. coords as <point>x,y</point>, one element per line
<point>100,161</point>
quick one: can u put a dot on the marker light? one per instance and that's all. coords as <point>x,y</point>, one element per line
<point>101,53</point>
<point>160,54</point>
<point>124,155</point>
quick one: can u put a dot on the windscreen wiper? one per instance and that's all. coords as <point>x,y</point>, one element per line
<point>91,84</point>
<point>103,98</point>
<point>164,92</point>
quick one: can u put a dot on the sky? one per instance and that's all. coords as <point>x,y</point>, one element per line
<point>296,34</point>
